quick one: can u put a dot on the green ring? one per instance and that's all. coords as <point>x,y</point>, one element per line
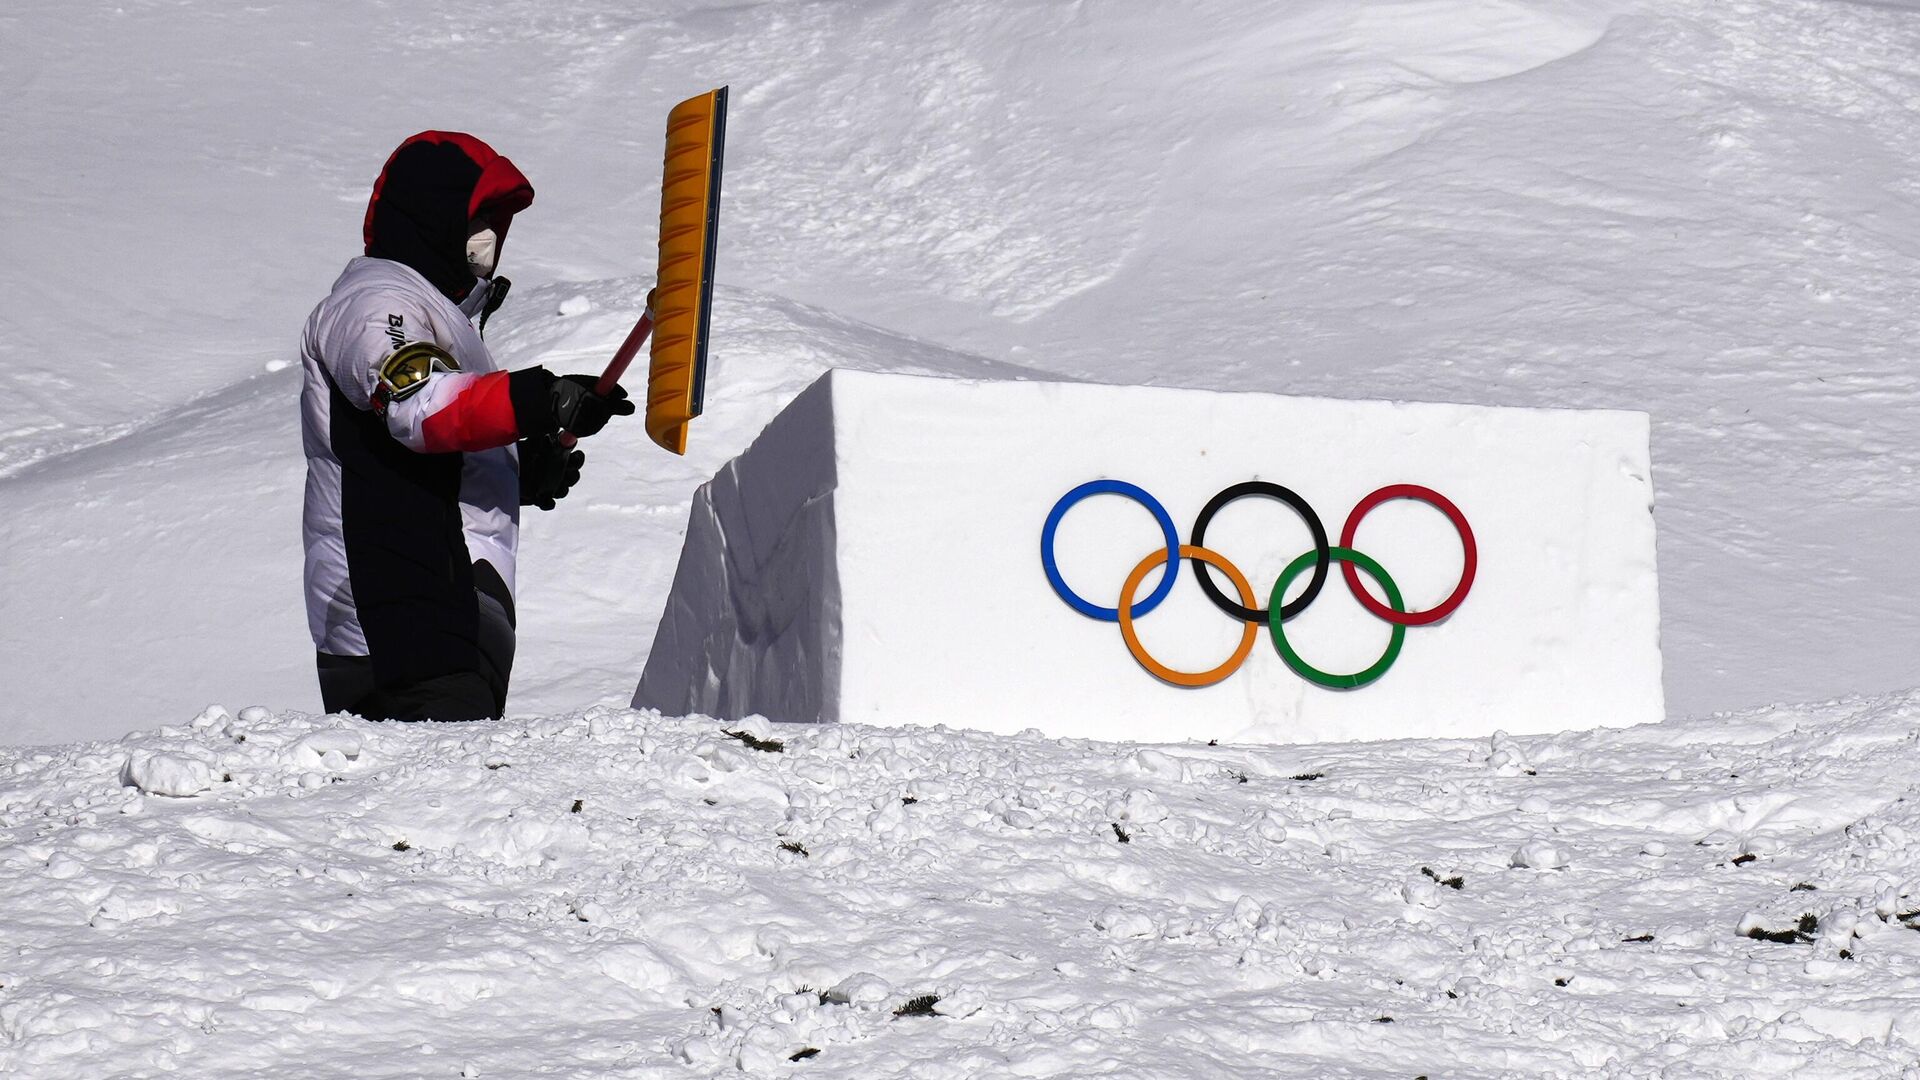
<point>1308,671</point>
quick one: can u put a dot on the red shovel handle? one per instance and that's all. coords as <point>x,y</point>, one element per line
<point>617,367</point>
<point>629,348</point>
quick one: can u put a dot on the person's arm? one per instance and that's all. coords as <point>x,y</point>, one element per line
<point>385,359</point>
<point>432,407</point>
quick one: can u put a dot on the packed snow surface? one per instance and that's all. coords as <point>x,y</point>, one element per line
<point>614,894</point>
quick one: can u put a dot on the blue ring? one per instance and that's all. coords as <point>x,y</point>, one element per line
<point>1109,487</point>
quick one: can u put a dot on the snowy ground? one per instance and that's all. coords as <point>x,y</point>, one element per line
<point>619,895</point>
<point>1699,208</point>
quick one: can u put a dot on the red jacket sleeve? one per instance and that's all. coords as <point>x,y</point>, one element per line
<point>455,411</point>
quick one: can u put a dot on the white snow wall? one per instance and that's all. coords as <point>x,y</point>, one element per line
<point>875,557</point>
<point>753,621</point>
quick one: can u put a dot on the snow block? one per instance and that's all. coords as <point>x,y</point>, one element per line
<point>876,556</point>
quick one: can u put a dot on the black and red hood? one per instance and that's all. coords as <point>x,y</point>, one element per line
<point>433,185</point>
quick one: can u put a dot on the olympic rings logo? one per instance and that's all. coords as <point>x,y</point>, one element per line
<point>1276,613</point>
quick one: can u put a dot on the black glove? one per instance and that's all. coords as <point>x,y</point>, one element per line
<point>544,403</point>
<point>547,471</point>
<point>579,410</point>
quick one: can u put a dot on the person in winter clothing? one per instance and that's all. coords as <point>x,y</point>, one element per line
<point>421,450</point>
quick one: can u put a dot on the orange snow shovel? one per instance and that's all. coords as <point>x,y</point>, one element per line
<point>682,300</point>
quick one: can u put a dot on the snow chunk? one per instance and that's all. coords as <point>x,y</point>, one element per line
<point>330,749</point>
<point>960,1003</point>
<point>213,717</point>
<point>1014,817</point>
<point>1505,757</point>
<point>759,727</point>
<point>1141,807</point>
<point>634,965</point>
<point>1540,854</point>
<point>791,1007</point>
<point>1156,764</point>
<point>1424,894</point>
<point>167,774</point>
<point>1120,923</point>
<point>771,940</point>
<point>1271,827</point>
<point>577,304</point>
<point>864,988</point>
<point>1246,912</point>
<point>64,867</point>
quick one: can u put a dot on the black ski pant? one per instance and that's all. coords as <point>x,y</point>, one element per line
<point>347,682</point>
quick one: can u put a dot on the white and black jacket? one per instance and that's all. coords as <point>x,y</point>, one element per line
<point>411,492</point>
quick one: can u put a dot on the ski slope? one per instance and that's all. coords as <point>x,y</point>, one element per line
<point>1694,209</point>
<point>1698,209</point>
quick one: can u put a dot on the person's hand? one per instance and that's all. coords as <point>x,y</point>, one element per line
<point>581,411</point>
<point>547,471</point>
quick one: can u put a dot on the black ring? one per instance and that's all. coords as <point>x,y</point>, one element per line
<point>1323,556</point>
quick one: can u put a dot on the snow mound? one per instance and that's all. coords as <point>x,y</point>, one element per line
<point>168,774</point>
<point>614,893</point>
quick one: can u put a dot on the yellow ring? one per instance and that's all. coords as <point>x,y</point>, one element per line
<point>1161,671</point>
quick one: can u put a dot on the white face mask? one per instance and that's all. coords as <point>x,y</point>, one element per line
<point>483,252</point>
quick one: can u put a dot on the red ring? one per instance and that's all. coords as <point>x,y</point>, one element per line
<point>1469,566</point>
